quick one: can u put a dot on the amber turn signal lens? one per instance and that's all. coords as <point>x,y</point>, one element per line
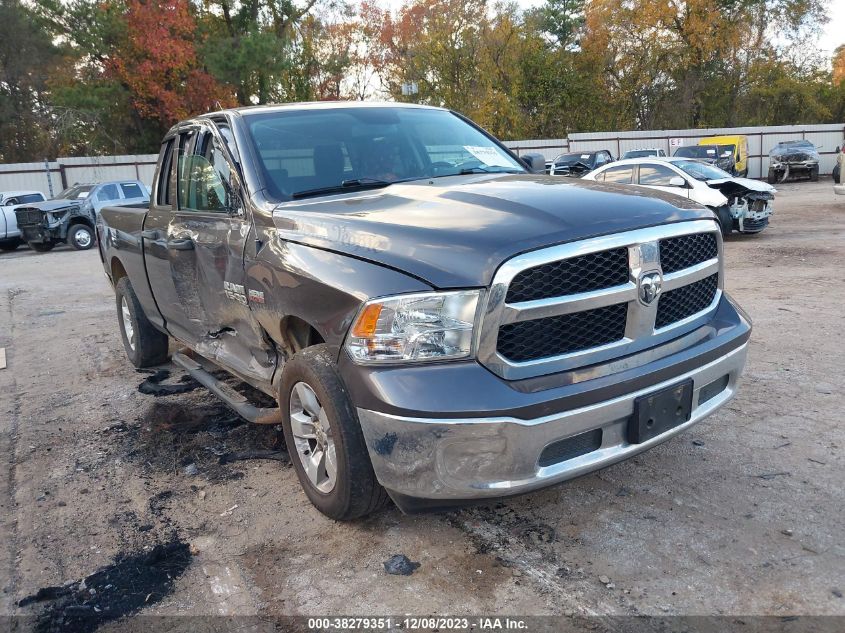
<point>366,324</point>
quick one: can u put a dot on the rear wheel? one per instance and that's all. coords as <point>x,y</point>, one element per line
<point>324,438</point>
<point>41,247</point>
<point>81,237</point>
<point>144,345</point>
<point>837,174</point>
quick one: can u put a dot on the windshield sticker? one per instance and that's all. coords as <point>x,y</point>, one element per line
<point>585,157</point>
<point>490,156</point>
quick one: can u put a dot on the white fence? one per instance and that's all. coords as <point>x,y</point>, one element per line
<point>51,177</point>
<point>826,138</point>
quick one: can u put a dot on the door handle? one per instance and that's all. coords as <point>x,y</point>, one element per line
<point>181,244</point>
<point>150,234</point>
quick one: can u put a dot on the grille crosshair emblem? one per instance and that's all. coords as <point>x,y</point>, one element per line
<point>649,287</point>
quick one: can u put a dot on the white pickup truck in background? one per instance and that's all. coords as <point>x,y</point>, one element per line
<point>10,235</point>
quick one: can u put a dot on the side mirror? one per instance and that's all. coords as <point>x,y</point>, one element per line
<point>838,149</point>
<point>536,163</point>
<point>677,181</point>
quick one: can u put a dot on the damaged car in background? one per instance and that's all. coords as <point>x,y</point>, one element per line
<point>578,163</point>
<point>716,155</point>
<point>740,204</point>
<point>791,159</point>
<point>70,216</point>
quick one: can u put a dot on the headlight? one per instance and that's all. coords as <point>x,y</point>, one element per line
<point>417,327</point>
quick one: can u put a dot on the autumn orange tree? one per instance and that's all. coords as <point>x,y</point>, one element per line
<point>157,61</point>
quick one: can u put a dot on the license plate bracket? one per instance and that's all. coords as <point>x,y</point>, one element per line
<point>657,412</point>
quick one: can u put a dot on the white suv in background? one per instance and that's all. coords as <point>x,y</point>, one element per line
<point>10,234</point>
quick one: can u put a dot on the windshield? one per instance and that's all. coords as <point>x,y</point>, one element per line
<point>76,192</point>
<point>313,152</point>
<point>640,153</point>
<point>701,171</point>
<point>698,151</point>
<point>571,159</point>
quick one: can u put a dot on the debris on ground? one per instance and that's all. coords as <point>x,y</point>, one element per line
<point>152,384</point>
<point>281,456</point>
<point>400,565</point>
<point>122,588</point>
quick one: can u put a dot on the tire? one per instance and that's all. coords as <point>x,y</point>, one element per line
<point>41,247</point>
<point>772,177</point>
<point>354,491</point>
<point>726,222</point>
<point>145,346</point>
<point>814,174</point>
<point>837,175</point>
<point>9,245</point>
<point>80,236</point>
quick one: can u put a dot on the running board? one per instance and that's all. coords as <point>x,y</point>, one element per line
<point>232,398</point>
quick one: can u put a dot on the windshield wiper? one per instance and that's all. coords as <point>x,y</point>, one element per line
<point>354,184</point>
<point>484,170</point>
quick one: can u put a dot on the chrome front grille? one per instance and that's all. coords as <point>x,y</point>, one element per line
<point>593,271</point>
<point>579,304</point>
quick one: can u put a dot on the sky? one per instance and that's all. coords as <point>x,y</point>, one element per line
<point>834,34</point>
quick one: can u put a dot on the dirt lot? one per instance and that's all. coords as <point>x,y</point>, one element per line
<point>742,515</point>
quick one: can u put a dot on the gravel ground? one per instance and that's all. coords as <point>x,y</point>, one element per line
<point>741,515</point>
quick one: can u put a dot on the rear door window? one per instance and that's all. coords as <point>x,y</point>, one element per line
<point>131,190</point>
<point>622,175</point>
<point>656,175</point>
<point>108,192</point>
<point>163,197</point>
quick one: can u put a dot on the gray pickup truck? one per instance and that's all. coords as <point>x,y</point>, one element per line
<point>436,322</point>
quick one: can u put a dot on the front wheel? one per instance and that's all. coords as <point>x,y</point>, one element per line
<point>41,247</point>
<point>9,245</point>
<point>726,221</point>
<point>324,438</point>
<point>814,174</point>
<point>837,174</point>
<point>145,346</point>
<point>81,237</point>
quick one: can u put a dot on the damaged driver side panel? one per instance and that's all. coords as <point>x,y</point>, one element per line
<point>199,247</point>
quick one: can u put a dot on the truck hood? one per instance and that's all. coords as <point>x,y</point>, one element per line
<point>54,205</point>
<point>456,231</point>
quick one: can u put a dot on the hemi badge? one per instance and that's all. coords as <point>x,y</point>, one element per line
<point>256,296</point>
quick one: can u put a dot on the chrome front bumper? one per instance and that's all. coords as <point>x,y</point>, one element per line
<point>475,458</point>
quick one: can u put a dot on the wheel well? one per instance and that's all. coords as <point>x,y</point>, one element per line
<point>117,270</point>
<point>298,334</point>
<point>81,220</point>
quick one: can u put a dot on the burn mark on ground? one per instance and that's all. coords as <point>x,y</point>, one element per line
<point>152,384</point>
<point>133,581</point>
<point>196,437</point>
